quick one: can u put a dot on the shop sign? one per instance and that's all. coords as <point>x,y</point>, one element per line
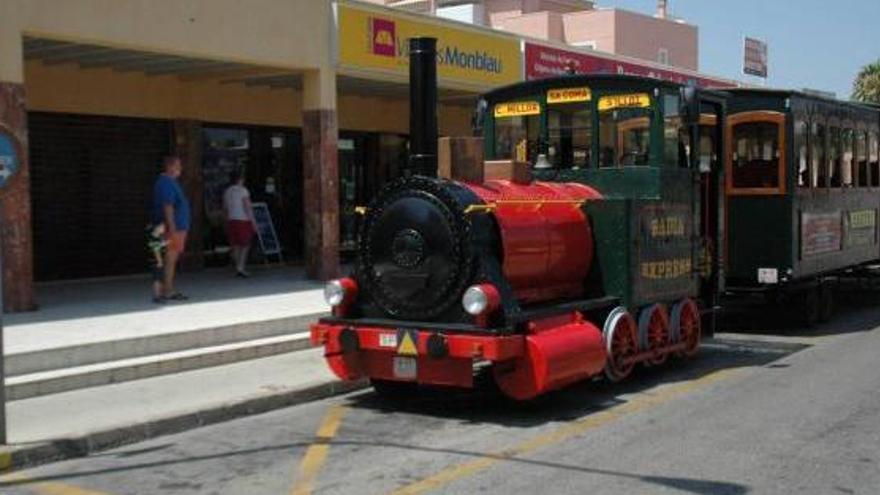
<point>370,39</point>
<point>820,233</point>
<point>544,61</point>
<point>632,100</point>
<point>568,95</point>
<point>517,109</point>
<point>9,159</point>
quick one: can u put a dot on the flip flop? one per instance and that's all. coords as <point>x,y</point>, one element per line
<point>177,296</point>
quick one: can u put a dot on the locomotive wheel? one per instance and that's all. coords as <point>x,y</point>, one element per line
<point>689,326</point>
<point>619,332</point>
<point>654,333</point>
<point>826,303</point>
<point>810,309</point>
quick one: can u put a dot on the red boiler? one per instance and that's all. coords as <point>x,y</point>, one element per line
<point>546,239</point>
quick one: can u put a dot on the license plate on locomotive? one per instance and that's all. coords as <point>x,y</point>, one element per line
<point>405,367</point>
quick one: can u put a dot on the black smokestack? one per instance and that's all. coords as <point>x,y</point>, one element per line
<point>423,106</point>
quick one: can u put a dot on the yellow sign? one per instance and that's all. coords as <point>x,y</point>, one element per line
<point>634,100</point>
<point>517,109</point>
<point>370,39</point>
<point>407,345</point>
<point>667,227</point>
<point>568,95</point>
<point>862,219</point>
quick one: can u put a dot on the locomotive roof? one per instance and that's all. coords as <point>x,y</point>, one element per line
<point>600,80</point>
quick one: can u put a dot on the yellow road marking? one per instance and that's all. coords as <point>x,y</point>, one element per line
<point>562,433</point>
<point>49,488</point>
<point>316,454</point>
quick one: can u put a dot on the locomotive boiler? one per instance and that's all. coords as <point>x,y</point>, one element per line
<point>532,280</point>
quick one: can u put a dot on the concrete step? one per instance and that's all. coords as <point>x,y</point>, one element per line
<point>19,364</point>
<point>54,381</point>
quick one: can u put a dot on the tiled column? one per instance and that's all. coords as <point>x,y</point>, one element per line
<point>15,198</point>
<point>188,146</point>
<point>320,175</point>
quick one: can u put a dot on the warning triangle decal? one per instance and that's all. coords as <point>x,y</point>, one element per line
<point>407,343</point>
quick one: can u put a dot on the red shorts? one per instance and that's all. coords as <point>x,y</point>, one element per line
<point>240,232</point>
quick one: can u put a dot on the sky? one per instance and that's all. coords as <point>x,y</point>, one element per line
<point>813,44</point>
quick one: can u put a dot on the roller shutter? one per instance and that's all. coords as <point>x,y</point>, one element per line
<point>91,186</point>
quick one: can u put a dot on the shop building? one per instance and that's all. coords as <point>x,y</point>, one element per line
<point>654,38</point>
<point>309,98</point>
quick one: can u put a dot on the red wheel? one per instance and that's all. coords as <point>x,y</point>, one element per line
<point>654,333</point>
<point>619,332</point>
<point>689,326</point>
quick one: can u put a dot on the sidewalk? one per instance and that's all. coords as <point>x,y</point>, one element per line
<point>76,313</point>
<point>100,365</point>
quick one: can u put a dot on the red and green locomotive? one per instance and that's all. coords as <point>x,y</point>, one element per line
<point>587,243</point>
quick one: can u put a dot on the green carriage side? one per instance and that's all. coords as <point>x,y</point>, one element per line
<point>656,228</point>
<point>802,188</point>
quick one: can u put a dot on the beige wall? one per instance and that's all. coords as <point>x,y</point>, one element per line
<point>679,39</point>
<point>133,94</point>
<point>543,25</point>
<point>597,25</point>
<point>292,34</point>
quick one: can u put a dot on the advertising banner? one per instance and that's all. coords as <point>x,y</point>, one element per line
<point>376,40</point>
<point>544,61</point>
<point>754,57</point>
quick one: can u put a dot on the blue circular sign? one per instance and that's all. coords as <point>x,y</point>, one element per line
<point>9,162</point>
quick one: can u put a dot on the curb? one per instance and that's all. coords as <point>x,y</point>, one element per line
<point>38,453</point>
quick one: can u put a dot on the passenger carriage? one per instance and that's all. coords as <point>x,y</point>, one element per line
<point>802,192</point>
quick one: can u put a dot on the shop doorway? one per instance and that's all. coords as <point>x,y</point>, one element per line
<point>271,161</point>
<point>367,161</point>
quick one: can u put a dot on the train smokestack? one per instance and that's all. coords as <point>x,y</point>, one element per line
<point>423,106</point>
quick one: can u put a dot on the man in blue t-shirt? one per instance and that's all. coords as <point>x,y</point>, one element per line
<point>171,208</point>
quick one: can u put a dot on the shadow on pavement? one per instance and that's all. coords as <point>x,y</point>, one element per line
<point>485,404</point>
<point>854,312</point>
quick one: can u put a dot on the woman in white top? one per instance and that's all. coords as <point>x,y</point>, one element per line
<point>240,225</point>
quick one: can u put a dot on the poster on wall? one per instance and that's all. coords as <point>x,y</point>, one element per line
<point>9,161</point>
<point>820,233</point>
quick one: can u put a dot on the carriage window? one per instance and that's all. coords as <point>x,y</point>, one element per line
<point>517,129</point>
<point>570,133</point>
<point>801,158</point>
<point>847,171</point>
<point>874,158</point>
<point>756,155</point>
<point>817,153</point>
<point>675,139</point>
<point>834,156</point>
<point>862,159</point>
<point>624,130</point>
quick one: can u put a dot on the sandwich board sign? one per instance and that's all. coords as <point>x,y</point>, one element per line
<point>266,230</point>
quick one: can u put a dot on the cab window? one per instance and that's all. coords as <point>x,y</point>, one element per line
<point>864,178</point>
<point>817,154</point>
<point>624,130</point>
<point>517,129</point>
<point>874,158</point>
<point>675,139</point>
<point>834,156</point>
<point>756,155</point>
<point>569,127</point>
<point>801,157</point>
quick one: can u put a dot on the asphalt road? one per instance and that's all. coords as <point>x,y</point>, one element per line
<point>754,413</point>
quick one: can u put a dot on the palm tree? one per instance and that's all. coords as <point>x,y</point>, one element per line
<point>867,84</point>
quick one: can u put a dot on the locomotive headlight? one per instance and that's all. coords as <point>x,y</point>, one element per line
<point>339,291</point>
<point>334,293</point>
<point>480,299</point>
